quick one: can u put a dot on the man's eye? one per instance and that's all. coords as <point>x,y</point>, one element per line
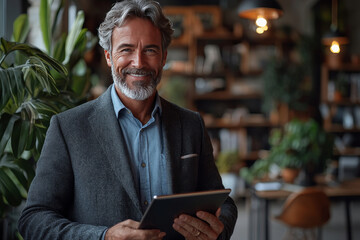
<point>151,51</point>
<point>125,50</point>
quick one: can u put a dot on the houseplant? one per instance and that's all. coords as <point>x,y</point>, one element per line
<point>288,81</point>
<point>35,85</point>
<point>301,145</point>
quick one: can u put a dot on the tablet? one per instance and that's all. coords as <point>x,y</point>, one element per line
<point>164,209</point>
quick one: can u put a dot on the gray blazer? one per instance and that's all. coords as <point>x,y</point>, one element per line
<point>84,183</point>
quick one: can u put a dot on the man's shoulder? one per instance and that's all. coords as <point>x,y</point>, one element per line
<point>78,111</point>
<point>176,108</point>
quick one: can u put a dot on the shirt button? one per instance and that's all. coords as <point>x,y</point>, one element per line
<point>146,203</point>
<point>143,164</point>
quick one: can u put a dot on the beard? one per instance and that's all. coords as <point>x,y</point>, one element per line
<point>140,90</point>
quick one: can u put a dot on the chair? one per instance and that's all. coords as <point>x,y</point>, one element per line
<point>303,212</point>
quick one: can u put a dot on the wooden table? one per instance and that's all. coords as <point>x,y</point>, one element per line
<point>345,191</point>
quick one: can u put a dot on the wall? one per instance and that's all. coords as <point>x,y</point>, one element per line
<point>9,11</point>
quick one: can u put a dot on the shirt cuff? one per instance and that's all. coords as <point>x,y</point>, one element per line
<point>103,235</point>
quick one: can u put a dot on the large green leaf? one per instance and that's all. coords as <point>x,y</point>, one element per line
<point>45,24</point>
<point>15,80</point>
<point>8,188</point>
<point>59,50</point>
<point>20,136</point>
<point>7,123</point>
<point>28,166</point>
<point>7,47</point>
<point>4,89</point>
<point>73,35</point>
<point>57,18</point>
<point>20,28</point>
<point>37,71</point>
<point>11,85</point>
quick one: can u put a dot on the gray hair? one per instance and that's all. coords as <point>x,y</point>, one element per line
<point>121,11</point>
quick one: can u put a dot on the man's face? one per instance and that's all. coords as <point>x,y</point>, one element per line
<point>137,58</point>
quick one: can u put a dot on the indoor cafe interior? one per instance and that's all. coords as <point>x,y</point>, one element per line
<point>276,82</point>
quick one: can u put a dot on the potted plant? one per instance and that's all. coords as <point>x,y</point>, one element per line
<point>287,82</point>
<point>34,85</point>
<point>226,162</point>
<point>302,145</point>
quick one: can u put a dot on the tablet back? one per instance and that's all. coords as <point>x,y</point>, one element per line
<point>163,209</point>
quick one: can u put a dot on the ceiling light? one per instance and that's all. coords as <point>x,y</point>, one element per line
<point>334,38</point>
<point>260,11</point>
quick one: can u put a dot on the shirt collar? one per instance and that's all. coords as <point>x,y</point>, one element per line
<point>118,105</point>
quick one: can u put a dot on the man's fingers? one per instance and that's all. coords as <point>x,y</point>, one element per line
<point>192,228</point>
<point>215,224</point>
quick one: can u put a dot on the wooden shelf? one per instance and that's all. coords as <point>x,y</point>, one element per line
<point>340,129</point>
<point>350,67</point>
<point>252,156</point>
<point>348,152</point>
<point>345,102</point>
<point>242,124</point>
<point>225,95</point>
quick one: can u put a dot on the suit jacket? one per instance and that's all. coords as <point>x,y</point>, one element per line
<point>84,183</point>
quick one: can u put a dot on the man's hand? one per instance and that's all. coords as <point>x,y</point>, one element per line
<point>208,228</point>
<point>129,230</point>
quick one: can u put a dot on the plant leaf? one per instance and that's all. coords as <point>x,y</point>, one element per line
<point>21,28</point>
<point>45,24</point>
<point>4,89</point>
<point>8,188</point>
<point>59,50</point>
<point>57,18</point>
<point>73,35</point>
<point>7,123</point>
<point>20,136</point>
<point>7,47</point>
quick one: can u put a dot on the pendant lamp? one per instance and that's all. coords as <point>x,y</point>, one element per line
<point>334,38</point>
<point>261,11</point>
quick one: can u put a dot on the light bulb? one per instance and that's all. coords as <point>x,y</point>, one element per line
<point>335,47</point>
<point>260,30</point>
<point>261,21</point>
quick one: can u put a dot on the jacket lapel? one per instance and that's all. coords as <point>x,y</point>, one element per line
<point>172,139</point>
<point>106,129</point>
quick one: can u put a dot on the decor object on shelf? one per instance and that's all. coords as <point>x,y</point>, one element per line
<point>261,11</point>
<point>334,38</point>
<point>300,144</point>
<point>282,81</point>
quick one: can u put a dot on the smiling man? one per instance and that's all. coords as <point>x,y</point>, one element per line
<point>102,162</point>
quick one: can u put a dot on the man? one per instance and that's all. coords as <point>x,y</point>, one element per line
<point>103,161</point>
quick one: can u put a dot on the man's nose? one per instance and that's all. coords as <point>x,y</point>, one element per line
<point>138,59</point>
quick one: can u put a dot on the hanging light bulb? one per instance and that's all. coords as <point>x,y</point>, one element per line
<point>335,47</point>
<point>261,21</point>
<point>334,38</point>
<point>261,24</point>
<point>261,11</point>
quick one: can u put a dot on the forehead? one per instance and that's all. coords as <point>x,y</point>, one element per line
<point>135,30</point>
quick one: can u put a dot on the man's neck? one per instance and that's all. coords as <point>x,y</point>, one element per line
<point>141,109</point>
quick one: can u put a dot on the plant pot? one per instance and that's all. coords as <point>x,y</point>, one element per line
<point>290,174</point>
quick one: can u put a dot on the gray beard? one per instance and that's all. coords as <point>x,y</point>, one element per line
<point>142,90</point>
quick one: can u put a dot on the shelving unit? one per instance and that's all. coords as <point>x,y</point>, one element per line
<point>340,106</point>
<point>223,78</point>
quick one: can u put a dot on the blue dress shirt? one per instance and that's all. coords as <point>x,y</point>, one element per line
<point>145,147</point>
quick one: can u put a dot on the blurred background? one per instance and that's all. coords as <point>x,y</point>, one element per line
<point>282,92</point>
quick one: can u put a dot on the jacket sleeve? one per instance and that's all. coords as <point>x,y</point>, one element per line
<point>51,193</point>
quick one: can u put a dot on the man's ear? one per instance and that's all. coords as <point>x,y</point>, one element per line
<point>107,57</point>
